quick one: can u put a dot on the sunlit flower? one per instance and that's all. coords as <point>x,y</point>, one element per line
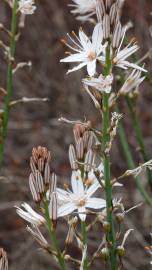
<point>121,55</point>
<point>27,7</point>
<point>27,213</point>
<point>79,198</point>
<point>86,9</point>
<point>102,84</point>
<point>87,52</point>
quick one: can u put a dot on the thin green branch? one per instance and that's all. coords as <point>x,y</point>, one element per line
<point>111,238</point>
<point>9,86</point>
<point>84,240</point>
<point>53,238</point>
<point>136,125</point>
<point>130,162</point>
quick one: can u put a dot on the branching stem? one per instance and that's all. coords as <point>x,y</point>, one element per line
<point>9,86</point>
<point>111,238</point>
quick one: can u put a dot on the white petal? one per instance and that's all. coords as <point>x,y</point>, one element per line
<point>85,42</point>
<point>66,209</point>
<point>77,57</point>
<point>92,189</point>
<point>77,183</point>
<point>95,203</point>
<point>63,195</point>
<point>91,67</point>
<point>29,209</point>
<point>77,67</point>
<point>97,38</point>
<point>118,184</point>
<point>82,213</point>
<point>132,65</point>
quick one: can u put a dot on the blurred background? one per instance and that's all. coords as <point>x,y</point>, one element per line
<point>37,124</point>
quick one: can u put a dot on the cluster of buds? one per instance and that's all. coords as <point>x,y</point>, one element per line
<point>86,143</point>
<point>108,12</point>
<point>3,260</point>
<point>40,176</point>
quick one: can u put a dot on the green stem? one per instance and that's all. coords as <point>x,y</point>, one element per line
<point>131,164</point>
<point>9,86</point>
<point>136,125</point>
<point>84,240</point>
<point>53,237</point>
<point>111,238</point>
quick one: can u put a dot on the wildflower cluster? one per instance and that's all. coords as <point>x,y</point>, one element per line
<point>90,199</point>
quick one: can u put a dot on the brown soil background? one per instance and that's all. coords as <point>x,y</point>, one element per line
<point>37,124</point>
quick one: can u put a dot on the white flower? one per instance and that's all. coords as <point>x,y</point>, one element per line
<point>86,9</point>
<point>132,82</point>
<point>102,84</point>
<point>87,52</point>
<point>121,55</point>
<point>30,215</point>
<point>79,198</point>
<point>27,7</point>
<point>92,179</point>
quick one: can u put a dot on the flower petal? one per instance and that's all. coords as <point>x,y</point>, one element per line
<point>92,189</point>
<point>77,67</point>
<point>76,57</point>
<point>97,38</point>
<point>77,183</point>
<point>63,195</point>
<point>95,203</point>
<point>82,213</point>
<point>66,209</point>
<point>91,67</point>
<point>84,40</point>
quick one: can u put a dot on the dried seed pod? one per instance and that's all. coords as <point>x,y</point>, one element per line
<point>72,158</point>
<point>80,149</point>
<point>89,158</point>
<point>3,260</point>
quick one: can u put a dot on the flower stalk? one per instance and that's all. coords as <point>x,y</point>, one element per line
<point>52,235</point>
<point>9,86</point>
<point>106,160</point>
<point>84,240</point>
<point>136,125</point>
<point>130,162</point>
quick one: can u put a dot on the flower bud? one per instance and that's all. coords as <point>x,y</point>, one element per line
<point>120,217</point>
<point>105,254</point>
<point>120,251</point>
<point>106,226</point>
